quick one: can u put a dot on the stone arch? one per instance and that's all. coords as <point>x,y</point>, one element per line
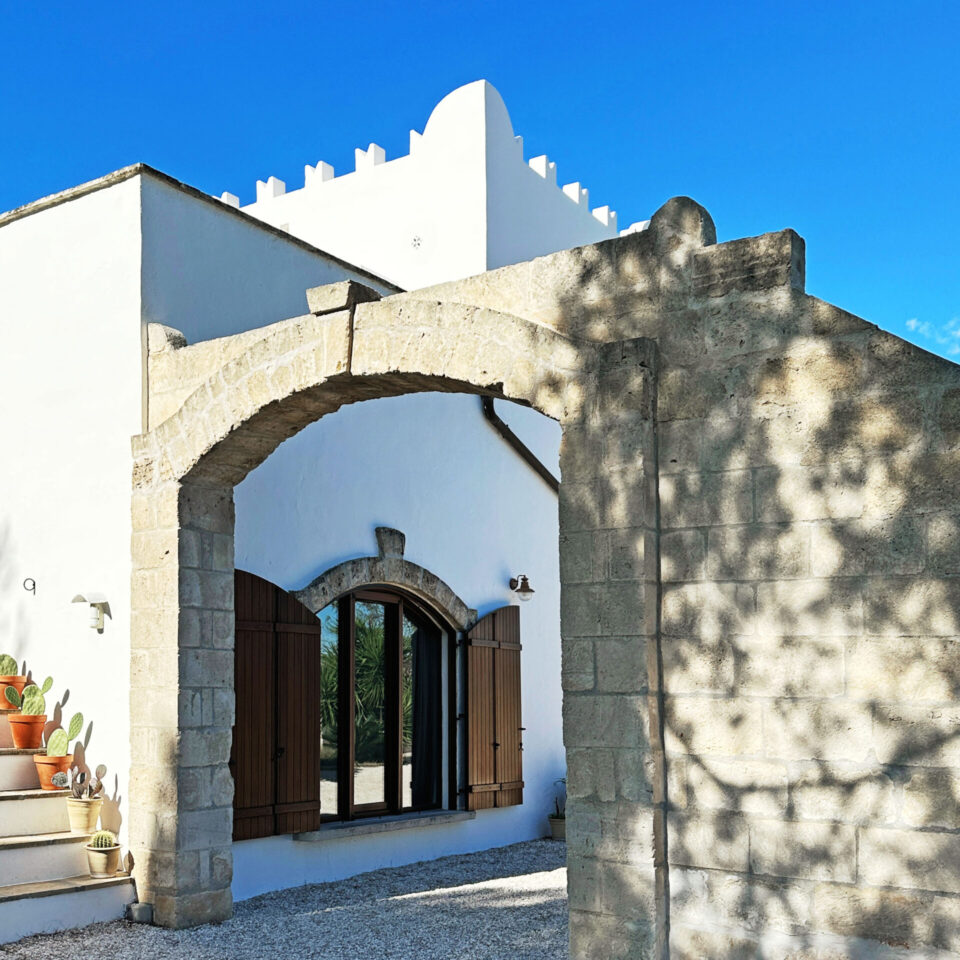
<point>388,568</point>
<point>576,354</point>
<point>304,368</point>
<point>233,402</point>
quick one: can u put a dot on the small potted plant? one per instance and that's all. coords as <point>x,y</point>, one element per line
<point>558,819</point>
<point>103,854</point>
<point>84,802</point>
<point>56,759</point>
<point>26,727</point>
<point>9,677</point>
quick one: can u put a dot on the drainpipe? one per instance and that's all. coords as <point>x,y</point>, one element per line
<point>518,445</point>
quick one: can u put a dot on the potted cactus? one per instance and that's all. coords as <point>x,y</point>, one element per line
<point>103,854</point>
<point>83,804</point>
<point>558,819</point>
<point>26,727</point>
<point>9,677</point>
<point>57,759</point>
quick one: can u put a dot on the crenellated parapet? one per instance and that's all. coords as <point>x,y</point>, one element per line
<point>465,133</point>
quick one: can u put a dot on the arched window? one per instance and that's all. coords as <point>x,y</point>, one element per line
<point>384,706</point>
<point>368,707</point>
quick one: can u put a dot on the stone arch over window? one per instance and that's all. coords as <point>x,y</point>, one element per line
<point>388,568</point>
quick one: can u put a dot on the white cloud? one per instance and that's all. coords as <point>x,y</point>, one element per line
<point>945,335</point>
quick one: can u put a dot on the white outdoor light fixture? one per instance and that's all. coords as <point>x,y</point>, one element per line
<point>98,607</point>
<point>521,587</point>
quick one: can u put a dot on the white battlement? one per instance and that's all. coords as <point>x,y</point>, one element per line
<point>272,187</point>
<point>463,200</point>
<point>637,227</point>
<point>545,168</point>
<point>606,216</point>
<point>577,193</point>
<point>367,159</point>
<point>312,176</point>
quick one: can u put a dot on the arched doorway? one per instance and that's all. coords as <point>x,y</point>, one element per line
<point>183,602</point>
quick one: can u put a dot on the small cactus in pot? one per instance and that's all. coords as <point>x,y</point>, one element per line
<point>26,727</point>
<point>84,802</point>
<point>10,676</point>
<point>57,760</point>
<point>103,854</point>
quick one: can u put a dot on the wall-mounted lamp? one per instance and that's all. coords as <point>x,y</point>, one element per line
<point>98,607</point>
<point>521,587</point>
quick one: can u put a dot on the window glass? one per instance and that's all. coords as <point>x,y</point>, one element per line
<point>422,717</point>
<point>370,685</point>
<point>329,667</point>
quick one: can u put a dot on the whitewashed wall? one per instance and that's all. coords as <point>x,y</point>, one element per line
<point>474,514</point>
<point>77,280</point>
<point>209,273</point>
<point>69,403</point>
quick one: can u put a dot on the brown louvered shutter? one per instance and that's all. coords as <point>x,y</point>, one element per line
<point>298,716</point>
<point>254,731</point>
<point>494,722</point>
<point>275,755</point>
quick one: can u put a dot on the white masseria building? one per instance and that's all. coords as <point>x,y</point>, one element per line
<point>366,668</point>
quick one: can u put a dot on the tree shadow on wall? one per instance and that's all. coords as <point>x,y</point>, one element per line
<point>809,612</point>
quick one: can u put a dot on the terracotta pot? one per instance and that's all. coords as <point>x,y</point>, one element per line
<point>18,683</point>
<point>558,828</point>
<point>103,861</point>
<point>26,730</point>
<point>83,814</point>
<point>48,766</point>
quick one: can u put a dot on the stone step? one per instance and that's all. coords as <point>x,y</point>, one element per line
<point>17,769</point>
<point>5,739</point>
<point>30,908</point>
<point>25,813</point>
<point>45,856</point>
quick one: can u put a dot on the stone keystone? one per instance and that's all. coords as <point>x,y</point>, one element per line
<point>344,295</point>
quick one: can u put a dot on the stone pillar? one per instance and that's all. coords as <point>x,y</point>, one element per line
<point>182,701</point>
<point>609,621</point>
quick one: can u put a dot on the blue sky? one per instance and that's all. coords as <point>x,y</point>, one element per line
<point>841,120</point>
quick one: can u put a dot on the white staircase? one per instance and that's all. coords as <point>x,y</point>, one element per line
<point>45,885</point>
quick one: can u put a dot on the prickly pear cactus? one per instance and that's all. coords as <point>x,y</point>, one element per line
<point>96,784</point>
<point>103,839</point>
<point>12,697</point>
<point>31,701</point>
<point>58,743</point>
<point>78,781</point>
<point>8,666</point>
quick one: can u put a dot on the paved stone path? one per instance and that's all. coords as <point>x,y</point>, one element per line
<point>503,904</point>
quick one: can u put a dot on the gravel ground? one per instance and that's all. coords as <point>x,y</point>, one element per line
<point>503,904</point>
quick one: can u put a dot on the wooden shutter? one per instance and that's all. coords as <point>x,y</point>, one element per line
<point>298,717</point>
<point>254,732</point>
<point>494,722</point>
<point>275,755</point>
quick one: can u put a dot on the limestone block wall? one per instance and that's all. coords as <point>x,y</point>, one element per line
<point>808,484</point>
